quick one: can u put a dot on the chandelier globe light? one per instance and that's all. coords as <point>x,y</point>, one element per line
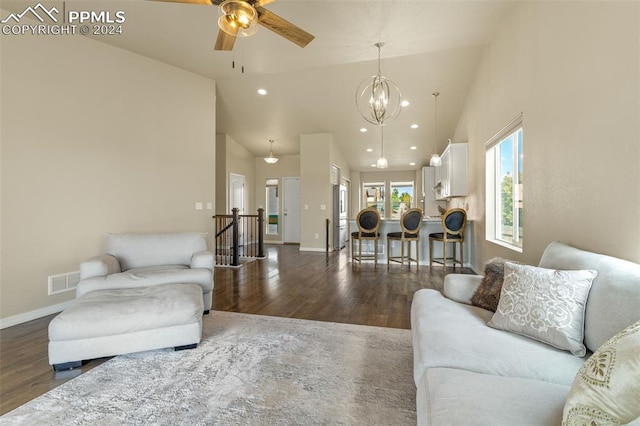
<point>378,99</point>
<point>238,19</point>
<point>435,160</point>
<point>271,159</point>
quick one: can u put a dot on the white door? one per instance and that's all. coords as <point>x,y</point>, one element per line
<point>291,209</point>
<point>236,196</point>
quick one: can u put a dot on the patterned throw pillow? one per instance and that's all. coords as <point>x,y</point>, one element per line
<point>544,304</point>
<point>488,293</point>
<point>606,390</point>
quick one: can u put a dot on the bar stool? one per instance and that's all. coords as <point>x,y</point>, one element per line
<point>453,223</point>
<point>410,223</point>
<point>368,221</point>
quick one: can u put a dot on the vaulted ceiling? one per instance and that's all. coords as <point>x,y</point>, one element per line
<point>429,46</point>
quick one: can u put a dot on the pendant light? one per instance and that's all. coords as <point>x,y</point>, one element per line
<point>271,159</point>
<point>382,162</point>
<point>378,99</point>
<point>435,161</point>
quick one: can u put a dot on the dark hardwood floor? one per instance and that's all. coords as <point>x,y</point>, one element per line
<point>288,283</point>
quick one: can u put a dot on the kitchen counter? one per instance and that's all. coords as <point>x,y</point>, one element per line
<point>430,225</point>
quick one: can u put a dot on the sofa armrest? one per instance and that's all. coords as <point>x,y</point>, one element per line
<point>202,260</point>
<point>99,266</point>
<point>461,287</point>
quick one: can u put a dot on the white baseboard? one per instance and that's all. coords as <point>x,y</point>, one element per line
<point>316,249</point>
<point>30,316</point>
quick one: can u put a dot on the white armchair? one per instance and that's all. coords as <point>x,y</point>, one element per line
<point>138,260</point>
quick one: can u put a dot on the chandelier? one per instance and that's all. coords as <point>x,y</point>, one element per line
<point>378,99</point>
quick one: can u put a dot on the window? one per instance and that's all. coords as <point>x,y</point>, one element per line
<point>504,187</point>
<point>374,196</point>
<point>401,198</point>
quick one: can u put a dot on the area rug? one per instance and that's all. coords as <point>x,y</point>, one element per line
<point>248,370</point>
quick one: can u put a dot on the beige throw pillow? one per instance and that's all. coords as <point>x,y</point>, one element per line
<point>606,390</point>
<point>544,304</point>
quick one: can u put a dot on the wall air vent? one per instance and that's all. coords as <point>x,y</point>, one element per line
<point>63,282</point>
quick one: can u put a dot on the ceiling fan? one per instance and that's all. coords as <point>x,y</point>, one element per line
<point>240,18</point>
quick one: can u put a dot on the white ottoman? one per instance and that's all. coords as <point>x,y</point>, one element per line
<point>117,321</point>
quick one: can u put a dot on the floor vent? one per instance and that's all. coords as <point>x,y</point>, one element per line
<point>63,282</point>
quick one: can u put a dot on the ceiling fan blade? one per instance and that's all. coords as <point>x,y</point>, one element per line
<point>205,2</point>
<point>259,3</point>
<point>283,27</point>
<point>224,41</point>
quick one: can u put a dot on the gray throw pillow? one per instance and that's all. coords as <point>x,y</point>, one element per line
<point>545,304</point>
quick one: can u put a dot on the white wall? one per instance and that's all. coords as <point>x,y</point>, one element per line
<point>315,189</point>
<point>572,69</point>
<point>94,140</point>
<point>234,158</point>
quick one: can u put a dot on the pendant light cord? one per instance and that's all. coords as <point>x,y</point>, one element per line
<point>381,141</point>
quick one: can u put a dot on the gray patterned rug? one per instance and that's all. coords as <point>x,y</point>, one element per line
<point>248,370</point>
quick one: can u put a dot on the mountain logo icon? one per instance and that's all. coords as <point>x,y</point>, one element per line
<point>37,11</point>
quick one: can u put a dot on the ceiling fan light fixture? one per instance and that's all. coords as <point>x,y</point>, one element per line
<point>238,18</point>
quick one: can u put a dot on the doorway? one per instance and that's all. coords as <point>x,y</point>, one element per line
<point>236,197</point>
<point>291,209</point>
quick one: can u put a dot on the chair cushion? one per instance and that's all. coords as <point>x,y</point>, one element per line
<point>398,235</point>
<point>118,311</point>
<point>467,343</point>
<point>454,221</point>
<point>459,397</point>
<point>614,295</point>
<point>412,220</point>
<point>141,250</point>
<point>366,234</point>
<point>368,220</point>
<point>440,236</point>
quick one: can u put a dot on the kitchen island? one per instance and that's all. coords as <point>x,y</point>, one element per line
<point>430,224</point>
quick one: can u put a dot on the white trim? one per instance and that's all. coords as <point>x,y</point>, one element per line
<point>316,249</point>
<point>508,128</point>
<point>32,315</point>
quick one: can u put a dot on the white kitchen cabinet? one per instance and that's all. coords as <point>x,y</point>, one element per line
<point>429,202</point>
<point>452,176</point>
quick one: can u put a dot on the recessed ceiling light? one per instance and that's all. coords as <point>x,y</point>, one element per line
<point>262,92</point>
<point>413,147</point>
<point>369,149</point>
<point>412,164</point>
<point>373,165</point>
<point>405,103</point>
<point>414,126</point>
<point>363,130</point>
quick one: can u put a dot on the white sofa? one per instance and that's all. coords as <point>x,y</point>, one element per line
<point>138,260</point>
<point>468,373</point>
